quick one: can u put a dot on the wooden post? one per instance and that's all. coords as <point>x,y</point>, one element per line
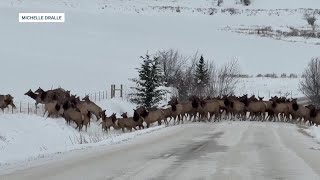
<point>36,108</point>
<point>111,91</point>
<point>20,106</point>
<point>106,94</point>
<point>99,95</point>
<point>121,88</point>
<point>28,108</point>
<point>12,109</point>
<point>102,95</point>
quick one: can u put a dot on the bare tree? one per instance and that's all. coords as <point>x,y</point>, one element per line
<point>213,79</point>
<point>311,19</point>
<point>179,73</point>
<point>172,62</point>
<point>227,79</point>
<point>223,80</point>
<point>245,2</point>
<point>310,83</point>
<point>189,74</point>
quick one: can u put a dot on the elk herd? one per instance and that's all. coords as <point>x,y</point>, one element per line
<point>61,103</point>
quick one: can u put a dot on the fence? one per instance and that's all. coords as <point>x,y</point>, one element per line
<point>270,93</point>
<point>25,108</point>
<point>102,95</point>
<point>31,108</point>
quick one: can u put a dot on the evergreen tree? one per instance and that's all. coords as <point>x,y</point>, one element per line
<point>150,79</point>
<point>201,76</point>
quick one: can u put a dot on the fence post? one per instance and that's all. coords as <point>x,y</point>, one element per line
<point>28,108</point>
<point>20,106</point>
<point>102,95</point>
<point>12,109</point>
<point>106,94</point>
<point>111,91</point>
<point>121,89</point>
<point>99,95</point>
<point>36,108</point>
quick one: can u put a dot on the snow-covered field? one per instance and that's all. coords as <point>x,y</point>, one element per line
<point>267,87</point>
<point>94,49</point>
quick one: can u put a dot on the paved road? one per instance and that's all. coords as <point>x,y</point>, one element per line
<point>227,150</point>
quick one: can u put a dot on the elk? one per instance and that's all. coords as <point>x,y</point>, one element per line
<point>5,101</point>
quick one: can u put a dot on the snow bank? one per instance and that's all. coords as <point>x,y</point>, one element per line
<point>28,137</point>
<point>314,131</point>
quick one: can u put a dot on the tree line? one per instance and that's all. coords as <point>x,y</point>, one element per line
<point>188,75</point>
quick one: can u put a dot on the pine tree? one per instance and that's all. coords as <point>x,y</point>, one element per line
<point>201,76</point>
<point>150,79</point>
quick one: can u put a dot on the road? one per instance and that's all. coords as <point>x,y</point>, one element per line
<point>226,150</point>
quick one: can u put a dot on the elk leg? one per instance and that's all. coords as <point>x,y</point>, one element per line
<point>178,119</point>
<point>44,113</point>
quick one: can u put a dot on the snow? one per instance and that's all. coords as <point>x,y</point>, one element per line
<point>28,137</point>
<point>101,43</point>
<point>94,49</point>
<point>314,131</point>
<point>127,5</point>
<point>267,87</point>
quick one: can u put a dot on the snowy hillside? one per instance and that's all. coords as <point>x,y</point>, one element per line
<point>145,4</point>
<point>95,48</point>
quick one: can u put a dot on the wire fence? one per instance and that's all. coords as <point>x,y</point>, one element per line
<point>32,108</point>
<point>25,108</point>
<point>123,92</point>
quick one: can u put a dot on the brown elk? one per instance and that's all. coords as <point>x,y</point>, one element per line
<point>5,101</point>
<point>36,97</point>
<point>130,123</point>
<point>254,107</point>
<point>280,108</point>
<point>72,114</point>
<point>176,111</point>
<point>92,107</point>
<point>52,108</point>
<point>151,117</point>
<point>108,122</point>
<point>210,108</point>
